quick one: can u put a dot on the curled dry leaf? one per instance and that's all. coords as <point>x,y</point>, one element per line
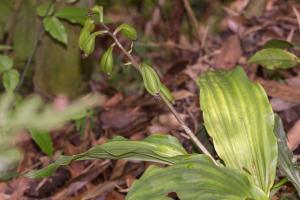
<point>294,136</point>
<point>231,52</point>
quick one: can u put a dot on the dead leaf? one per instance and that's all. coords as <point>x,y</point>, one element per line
<point>118,119</point>
<point>280,90</point>
<point>114,100</point>
<point>294,136</point>
<point>231,52</point>
<point>182,94</point>
<point>281,105</point>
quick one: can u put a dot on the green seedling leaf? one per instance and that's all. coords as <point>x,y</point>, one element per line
<point>107,61</point>
<point>10,80</point>
<point>151,79</point>
<point>286,165</point>
<point>279,44</point>
<point>273,58</point>
<point>6,63</point>
<point>45,9</point>
<point>157,148</point>
<point>73,14</point>
<point>56,29</point>
<point>127,31</point>
<point>238,116</point>
<point>43,140</point>
<point>195,178</point>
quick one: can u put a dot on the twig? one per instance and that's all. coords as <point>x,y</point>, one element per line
<point>193,19</point>
<point>297,15</point>
<point>189,132</point>
<point>36,43</point>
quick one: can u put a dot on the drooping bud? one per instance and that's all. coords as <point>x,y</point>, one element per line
<point>166,93</point>
<point>128,31</point>
<point>107,61</point>
<point>151,79</point>
<point>89,45</point>
<point>85,32</point>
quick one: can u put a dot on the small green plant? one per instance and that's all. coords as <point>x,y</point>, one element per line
<point>52,19</point>
<point>10,76</point>
<point>237,115</point>
<point>274,55</point>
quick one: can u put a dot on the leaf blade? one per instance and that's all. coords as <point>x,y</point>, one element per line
<point>56,29</point>
<point>195,178</point>
<point>43,140</point>
<point>73,14</point>
<point>274,58</point>
<point>157,148</point>
<point>239,118</point>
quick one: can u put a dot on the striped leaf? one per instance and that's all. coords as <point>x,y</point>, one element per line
<point>157,148</point>
<point>239,118</point>
<point>195,178</point>
<point>288,167</point>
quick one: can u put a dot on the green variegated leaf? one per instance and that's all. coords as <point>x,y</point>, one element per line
<point>286,163</point>
<point>157,148</point>
<point>274,58</point>
<point>239,118</point>
<point>195,178</point>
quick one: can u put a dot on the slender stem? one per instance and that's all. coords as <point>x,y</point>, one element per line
<point>168,104</point>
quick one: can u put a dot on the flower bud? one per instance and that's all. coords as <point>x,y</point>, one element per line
<point>85,32</point>
<point>128,31</point>
<point>151,79</point>
<point>107,61</point>
<point>89,45</point>
<point>166,93</point>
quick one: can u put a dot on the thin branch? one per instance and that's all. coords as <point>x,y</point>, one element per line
<point>189,132</point>
<point>193,19</point>
<point>36,43</point>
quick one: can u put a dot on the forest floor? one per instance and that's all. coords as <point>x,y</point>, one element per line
<point>181,48</point>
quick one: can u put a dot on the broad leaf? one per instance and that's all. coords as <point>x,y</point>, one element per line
<point>279,44</point>
<point>11,80</point>
<point>157,148</point>
<point>43,140</point>
<point>195,178</point>
<point>56,29</point>
<point>6,63</point>
<point>273,58</point>
<point>286,164</point>
<point>73,14</point>
<point>239,118</point>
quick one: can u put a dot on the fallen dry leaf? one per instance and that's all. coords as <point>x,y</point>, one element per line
<point>294,136</point>
<point>231,52</point>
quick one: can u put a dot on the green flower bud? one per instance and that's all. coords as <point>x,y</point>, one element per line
<point>107,61</point>
<point>151,79</point>
<point>85,32</point>
<point>166,93</point>
<point>89,45</point>
<point>128,31</point>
